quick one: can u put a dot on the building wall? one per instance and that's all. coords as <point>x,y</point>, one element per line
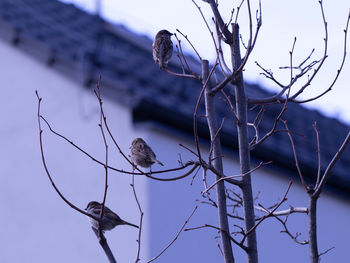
<point>172,202</point>
<point>37,226</point>
<point>40,227</point>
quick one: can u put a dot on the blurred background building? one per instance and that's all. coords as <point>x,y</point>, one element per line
<point>60,51</point>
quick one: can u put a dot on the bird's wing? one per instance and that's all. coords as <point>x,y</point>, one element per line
<point>168,49</point>
<point>161,50</point>
<point>155,51</point>
<point>113,215</point>
<point>148,152</point>
<point>140,151</point>
<point>106,210</point>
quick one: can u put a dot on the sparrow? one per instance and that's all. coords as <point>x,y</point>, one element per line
<point>109,219</point>
<point>162,48</point>
<point>142,154</point>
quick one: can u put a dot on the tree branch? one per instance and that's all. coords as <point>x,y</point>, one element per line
<point>246,234</point>
<point>286,212</point>
<point>330,166</point>
<point>106,157</point>
<point>141,219</point>
<point>220,21</point>
<point>296,158</point>
<point>217,163</point>
<point>220,230</point>
<point>47,169</point>
<point>174,239</point>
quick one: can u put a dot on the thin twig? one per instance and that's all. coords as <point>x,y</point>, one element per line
<point>141,219</point>
<point>326,251</point>
<point>272,131</point>
<point>286,230</point>
<point>46,168</point>
<point>219,174</point>
<point>215,136</point>
<point>174,239</point>
<point>220,54</point>
<point>296,158</point>
<point>98,96</point>
<point>238,9</point>
<point>178,55</point>
<point>188,76</point>
<point>325,55</point>
<point>229,103</point>
<point>220,230</point>
<point>330,166</point>
<point>338,71</point>
<point>277,98</point>
<point>106,158</point>
<point>291,210</point>
<point>227,34</point>
<point>268,215</point>
<point>188,149</point>
<point>258,24</point>
<point>249,46</point>
<point>113,168</point>
<point>222,84</point>
<point>318,153</point>
<point>234,176</point>
<point>184,58</point>
<point>189,42</point>
<point>125,157</point>
<point>206,23</point>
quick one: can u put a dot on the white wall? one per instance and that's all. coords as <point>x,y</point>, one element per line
<point>39,227</point>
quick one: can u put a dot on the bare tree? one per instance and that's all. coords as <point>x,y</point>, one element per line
<point>220,78</point>
<point>233,79</point>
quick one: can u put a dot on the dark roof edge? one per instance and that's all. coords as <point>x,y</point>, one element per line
<point>147,111</point>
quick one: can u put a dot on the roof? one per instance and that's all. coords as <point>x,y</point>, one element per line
<point>83,46</point>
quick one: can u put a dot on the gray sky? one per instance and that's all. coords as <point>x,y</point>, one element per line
<point>282,21</point>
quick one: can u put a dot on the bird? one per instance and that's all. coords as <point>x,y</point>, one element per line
<point>162,48</point>
<point>109,219</point>
<point>142,154</point>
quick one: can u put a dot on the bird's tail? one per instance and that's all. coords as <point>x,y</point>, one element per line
<point>159,162</point>
<point>127,223</point>
<point>163,65</point>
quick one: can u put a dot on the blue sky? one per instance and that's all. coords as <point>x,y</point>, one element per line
<point>282,21</point>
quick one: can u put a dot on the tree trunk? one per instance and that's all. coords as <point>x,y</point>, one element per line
<point>243,144</point>
<point>217,163</point>
<point>314,256</point>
